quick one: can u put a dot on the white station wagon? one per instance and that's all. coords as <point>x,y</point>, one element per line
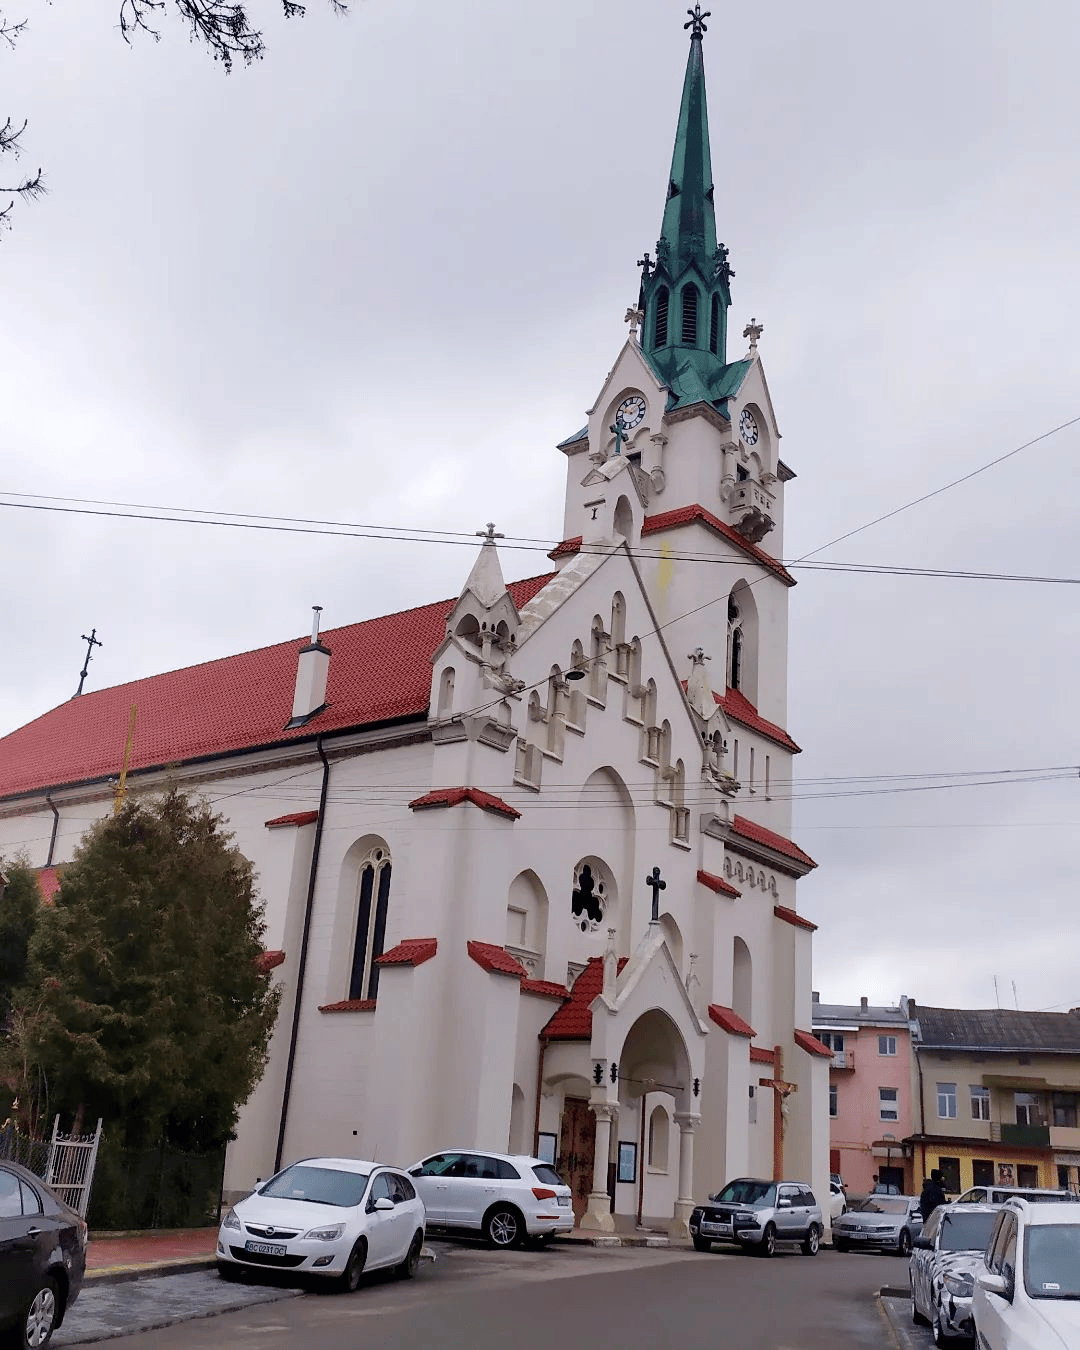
<point>506,1197</point>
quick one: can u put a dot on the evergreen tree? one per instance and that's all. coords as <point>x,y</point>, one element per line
<point>145,1002</point>
<point>20,904</point>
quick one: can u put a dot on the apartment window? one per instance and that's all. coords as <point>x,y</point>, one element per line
<point>1027,1174</point>
<point>1027,1108</point>
<point>834,1100</point>
<point>886,1045</point>
<point>982,1172</point>
<point>1065,1109</point>
<point>887,1104</point>
<point>946,1101</point>
<point>833,1039</point>
<point>950,1172</point>
<point>980,1102</point>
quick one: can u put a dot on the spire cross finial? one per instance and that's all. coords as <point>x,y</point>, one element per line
<point>490,534</point>
<point>634,317</point>
<point>656,885</point>
<point>646,265</point>
<point>753,331</point>
<point>697,21</point>
<point>91,643</point>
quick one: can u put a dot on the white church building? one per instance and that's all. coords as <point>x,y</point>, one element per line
<point>526,854</point>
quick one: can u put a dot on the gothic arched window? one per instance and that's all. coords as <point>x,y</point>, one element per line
<point>372,901</point>
<point>714,325</point>
<point>660,318</point>
<point>689,315</point>
<point>735,645</point>
<point>588,899</point>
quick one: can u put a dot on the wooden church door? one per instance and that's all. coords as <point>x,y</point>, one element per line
<point>577,1149</point>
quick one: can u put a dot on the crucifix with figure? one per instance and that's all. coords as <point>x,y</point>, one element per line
<point>656,885</point>
<point>781,1092</point>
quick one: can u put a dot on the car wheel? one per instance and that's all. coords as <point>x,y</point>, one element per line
<point>840,1244</point>
<point>503,1227</point>
<point>408,1268</point>
<point>812,1241</point>
<point>916,1315</point>
<point>937,1331</point>
<point>767,1246</point>
<point>702,1244</point>
<point>349,1280</point>
<point>227,1271</point>
<point>903,1246</point>
<point>35,1327</point>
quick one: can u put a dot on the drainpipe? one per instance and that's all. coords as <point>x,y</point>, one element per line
<point>55,827</point>
<point>297,1002</point>
<point>539,1088</point>
<point>922,1115</point>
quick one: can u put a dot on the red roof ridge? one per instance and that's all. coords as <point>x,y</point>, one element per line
<point>454,796</point>
<point>349,1005</point>
<point>759,1055</point>
<point>297,818</point>
<point>490,956</point>
<point>730,1021</point>
<point>409,952</point>
<point>761,834</point>
<point>545,988</point>
<point>684,515</point>
<point>739,708</point>
<point>717,884</point>
<point>811,1044</point>
<point>796,920</point>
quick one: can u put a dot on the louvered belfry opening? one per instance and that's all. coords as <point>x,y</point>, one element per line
<point>660,318</point>
<point>714,325</point>
<point>689,315</point>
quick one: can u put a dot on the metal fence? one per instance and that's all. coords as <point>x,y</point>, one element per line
<point>65,1162</point>
<point>33,1154</point>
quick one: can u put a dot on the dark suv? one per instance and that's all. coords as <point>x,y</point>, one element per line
<point>757,1215</point>
<point>42,1258</point>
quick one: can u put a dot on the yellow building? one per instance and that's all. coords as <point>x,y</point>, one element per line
<point>996,1097</point>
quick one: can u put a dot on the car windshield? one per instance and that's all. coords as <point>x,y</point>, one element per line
<point>966,1232</point>
<point>1052,1260</point>
<point>756,1194</point>
<point>881,1204</point>
<point>317,1186</point>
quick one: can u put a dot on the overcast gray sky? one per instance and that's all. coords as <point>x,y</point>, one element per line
<point>380,275</point>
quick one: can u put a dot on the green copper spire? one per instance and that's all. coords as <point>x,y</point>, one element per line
<point>685,293</point>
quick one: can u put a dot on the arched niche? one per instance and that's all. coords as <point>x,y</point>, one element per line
<point>659,1138</point>
<point>446,691</point>
<point>624,518</point>
<point>742,641</point>
<point>519,1141</point>
<point>742,981</point>
<point>527,919</point>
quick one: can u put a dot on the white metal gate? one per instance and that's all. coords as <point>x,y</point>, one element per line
<point>70,1170</point>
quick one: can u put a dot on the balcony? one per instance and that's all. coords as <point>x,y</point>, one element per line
<point>752,510</point>
<point>843,1059</point>
<point>1065,1137</point>
<point>1021,1136</point>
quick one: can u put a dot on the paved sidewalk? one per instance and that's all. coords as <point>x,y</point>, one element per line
<point>125,1256</point>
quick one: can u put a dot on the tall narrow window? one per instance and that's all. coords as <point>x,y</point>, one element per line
<point>372,901</point>
<point>689,315</point>
<point>714,325</point>
<point>660,318</point>
<point>735,645</point>
<point>752,784</point>
<point>768,777</point>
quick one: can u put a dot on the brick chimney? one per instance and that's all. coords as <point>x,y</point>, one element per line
<point>864,1003</point>
<point>312,668</point>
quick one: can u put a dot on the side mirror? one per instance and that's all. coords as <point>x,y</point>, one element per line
<point>784,1202</point>
<point>926,1244</point>
<point>416,1171</point>
<point>382,1205</point>
<point>994,1284</point>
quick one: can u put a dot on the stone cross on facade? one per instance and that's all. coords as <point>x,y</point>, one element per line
<point>490,534</point>
<point>753,331</point>
<point>781,1091</point>
<point>656,885</point>
<point>634,317</point>
<point>618,430</point>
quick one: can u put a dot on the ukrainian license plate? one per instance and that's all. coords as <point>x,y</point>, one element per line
<point>719,1229</point>
<point>564,1200</point>
<point>266,1248</point>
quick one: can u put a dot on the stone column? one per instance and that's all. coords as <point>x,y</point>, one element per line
<point>680,1224</point>
<point>598,1215</point>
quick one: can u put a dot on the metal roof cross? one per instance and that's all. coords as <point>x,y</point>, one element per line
<point>697,21</point>
<point>490,534</point>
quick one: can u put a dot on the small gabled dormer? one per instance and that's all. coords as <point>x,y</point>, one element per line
<point>711,723</point>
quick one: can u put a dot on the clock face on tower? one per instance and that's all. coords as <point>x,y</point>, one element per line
<point>748,427</point>
<point>631,411</point>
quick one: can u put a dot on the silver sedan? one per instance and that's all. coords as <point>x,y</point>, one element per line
<point>879,1221</point>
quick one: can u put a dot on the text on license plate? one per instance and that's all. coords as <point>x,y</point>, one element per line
<point>266,1248</point>
<point>564,1200</point>
<point>723,1229</point>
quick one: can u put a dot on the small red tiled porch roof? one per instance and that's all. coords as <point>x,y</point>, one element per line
<point>496,959</point>
<point>812,1045</point>
<point>297,818</point>
<point>730,1021</point>
<point>759,1055</point>
<point>573,1021</point>
<point>796,920</point>
<point>545,989</point>
<point>409,952</point>
<point>269,960</point>
<point>718,884</point>
<point>454,796</point>
<point>758,834</point>
<point>739,708</point>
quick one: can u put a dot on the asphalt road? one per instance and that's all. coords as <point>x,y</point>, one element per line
<point>475,1299</point>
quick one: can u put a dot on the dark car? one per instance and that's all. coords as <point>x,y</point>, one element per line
<point>42,1259</point>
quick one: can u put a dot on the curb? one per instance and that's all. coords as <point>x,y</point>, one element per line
<point>121,1274</point>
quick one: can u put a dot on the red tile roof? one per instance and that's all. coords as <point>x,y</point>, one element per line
<point>759,1055</point>
<point>739,708</point>
<point>410,952</point>
<point>750,829</point>
<point>730,1021</point>
<point>269,960</point>
<point>297,818</point>
<point>686,515</point>
<point>812,1045</point>
<point>48,879</point>
<point>545,989</point>
<point>717,884</point>
<point>573,1021</point>
<point>566,548</point>
<point>349,1005</point>
<point>380,671</point>
<point>454,796</point>
<point>496,959</point>
<point>796,920</point>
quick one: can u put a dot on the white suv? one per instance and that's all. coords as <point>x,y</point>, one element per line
<point>504,1196</point>
<point>1027,1297</point>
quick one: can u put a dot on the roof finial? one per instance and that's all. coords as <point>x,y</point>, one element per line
<point>634,317</point>
<point>490,534</point>
<point>697,22</point>
<point>91,642</point>
<point>753,331</point>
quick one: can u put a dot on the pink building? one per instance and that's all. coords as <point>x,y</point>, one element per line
<point>870,1100</point>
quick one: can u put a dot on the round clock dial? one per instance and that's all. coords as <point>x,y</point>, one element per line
<point>631,411</point>
<point>748,427</point>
